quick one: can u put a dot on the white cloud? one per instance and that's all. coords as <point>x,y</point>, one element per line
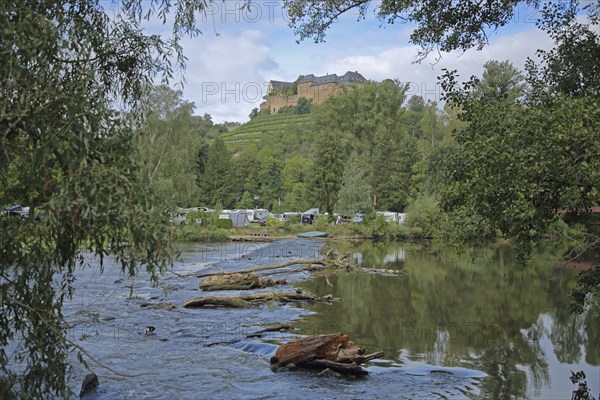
<point>226,75</point>
<point>396,62</point>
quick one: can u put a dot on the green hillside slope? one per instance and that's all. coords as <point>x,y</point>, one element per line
<point>261,127</point>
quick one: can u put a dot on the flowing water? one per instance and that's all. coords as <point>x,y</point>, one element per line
<point>450,327</point>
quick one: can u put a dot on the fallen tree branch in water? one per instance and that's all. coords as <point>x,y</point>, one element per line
<point>276,328</point>
<point>311,268</point>
<point>257,334</point>
<point>266,268</point>
<point>237,282</point>
<point>385,272</point>
<point>342,262</point>
<point>334,351</point>
<point>256,299</point>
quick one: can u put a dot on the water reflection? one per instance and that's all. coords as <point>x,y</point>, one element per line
<point>388,257</point>
<point>487,314</point>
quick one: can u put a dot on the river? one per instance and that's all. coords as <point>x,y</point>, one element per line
<point>451,327</point>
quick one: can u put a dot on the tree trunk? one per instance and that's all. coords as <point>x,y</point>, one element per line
<point>237,282</point>
<point>335,351</point>
<point>268,267</point>
<point>255,299</point>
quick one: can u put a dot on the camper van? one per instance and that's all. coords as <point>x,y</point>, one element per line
<point>180,216</point>
<point>391,216</point>
<point>16,210</point>
<point>309,216</point>
<point>256,214</point>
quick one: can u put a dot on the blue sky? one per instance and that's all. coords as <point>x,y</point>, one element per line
<point>240,50</point>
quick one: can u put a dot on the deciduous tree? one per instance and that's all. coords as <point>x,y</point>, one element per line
<point>216,183</point>
<point>354,195</point>
<point>167,146</point>
<point>439,25</point>
<point>332,152</point>
<point>519,163</point>
<point>68,155</point>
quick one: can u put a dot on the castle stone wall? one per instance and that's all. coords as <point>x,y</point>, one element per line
<point>317,92</point>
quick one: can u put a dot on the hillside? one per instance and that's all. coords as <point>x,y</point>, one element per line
<point>260,127</point>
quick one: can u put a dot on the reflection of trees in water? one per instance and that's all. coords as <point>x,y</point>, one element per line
<point>512,367</point>
<point>380,255</point>
<point>592,349</point>
<point>574,332</point>
<point>482,313</point>
<point>570,333</point>
<point>567,339</point>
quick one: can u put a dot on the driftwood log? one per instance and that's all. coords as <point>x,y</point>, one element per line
<point>342,262</point>
<point>379,271</point>
<point>266,268</point>
<point>334,351</point>
<point>275,328</point>
<point>255,299</point>
<point>237,282</point>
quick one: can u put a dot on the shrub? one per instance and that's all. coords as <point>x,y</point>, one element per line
<point>344,230</point>
<point>197,217</point>
<point>381,227</point>
<point>296,228</point>
<point>275,223</point>
<point>422,215</point>
<point>224,223</point>
<point>294,219</point>
<point>320,223</point>
<point>363,230</point>
<point>384,229</point>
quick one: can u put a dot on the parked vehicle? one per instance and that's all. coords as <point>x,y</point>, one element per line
<point>16,210</point>
<point>358,218</point>
<point>402,218</point>
<point>309,216</point>
<point>256,214</point>
<point>180,216</point>
<point>398,218</point>
<point>342,219</point>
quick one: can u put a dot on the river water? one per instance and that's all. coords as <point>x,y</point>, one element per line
<point>451,327</point>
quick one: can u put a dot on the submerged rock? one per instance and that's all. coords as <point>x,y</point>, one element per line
<point>90,383</point>
<point>330,372</point>
<point>163,305</point>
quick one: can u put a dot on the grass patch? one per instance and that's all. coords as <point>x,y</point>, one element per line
<point>198,234</point>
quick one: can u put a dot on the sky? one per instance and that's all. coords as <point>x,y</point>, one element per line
<point>241,49</point>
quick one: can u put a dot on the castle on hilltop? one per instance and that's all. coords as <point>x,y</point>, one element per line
<point>316,88</point>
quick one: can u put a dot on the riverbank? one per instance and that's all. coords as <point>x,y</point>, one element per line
<point>374,230</point>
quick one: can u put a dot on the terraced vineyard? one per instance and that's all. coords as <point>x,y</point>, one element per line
<point>258,128</point>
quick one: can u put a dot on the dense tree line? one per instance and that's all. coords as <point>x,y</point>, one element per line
<point>304,167</point>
